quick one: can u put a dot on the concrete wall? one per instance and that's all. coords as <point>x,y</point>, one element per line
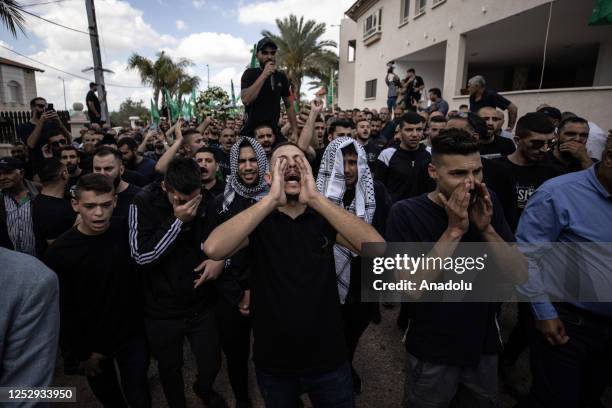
<point>346,74</point>
<point>591,103</point>
<point>603,71</point>
<point>27,81</point>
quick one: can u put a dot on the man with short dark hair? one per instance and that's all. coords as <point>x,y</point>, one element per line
<point>264,134</point>
<point>434,126</point>
<point>362,135</point>
<point>413,85</point>
<point>397,167</point>
<point>458,343</point>
<point>186,141</point>
<point>16,196</point>
<point>493,145</point>
<point>206,157</point>
<point>388,130</point>
<point>134,161</point>
<point>299,345</point>
<point>109,162</point>
<point>261,89</point>
<point>52,213</point>
<point>100,304</point>
<point>340,128</point>
<point>92,102</point>
<point>226,141</point>
<point>437,103</point>
<point>480,97</point>
<point>166,234</point>
<point>569,153</point>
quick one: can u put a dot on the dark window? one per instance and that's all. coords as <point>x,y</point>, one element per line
<point>370,89</point>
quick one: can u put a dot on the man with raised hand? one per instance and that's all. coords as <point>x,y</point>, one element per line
<point>296,316</point>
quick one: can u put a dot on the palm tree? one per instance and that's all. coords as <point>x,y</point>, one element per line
<point>300,51</point>
<point>164,73</point>
<point>11,17</point>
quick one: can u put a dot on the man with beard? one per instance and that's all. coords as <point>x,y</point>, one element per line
<point>297,323</point>
<point>261,89</point>
<point>454,344</point>
<point>434,126</point>
<point>52,213</point>
<point>226,141</point>
<point>16,196</point>
<point>348,182</point>
<point>166,234</point>
<point>397,167</point>
<point>375,136</point>
<point>569,153</point>
<point>153,145</point>
<point>388,130</point>
<point>264,134</point>
<point>362,135</point>
<point>245,186</point>
<point>206,158</point>
<point>101,311</point>
<point>69,156</point>
<point>108,162</point>
<point>134,161</point>
<point>494,145</point>
<point>187,141</point>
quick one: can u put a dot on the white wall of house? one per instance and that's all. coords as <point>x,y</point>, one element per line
<point>17,88</point>
<point>346,73</point>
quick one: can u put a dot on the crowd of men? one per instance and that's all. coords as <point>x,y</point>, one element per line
<point>218,230</point>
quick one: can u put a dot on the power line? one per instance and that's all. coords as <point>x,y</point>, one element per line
<point>70,73</point>
<point>42,4</point>
<point>57,24</point>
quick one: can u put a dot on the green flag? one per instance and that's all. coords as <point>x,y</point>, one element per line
<point>193,104</point>
<point>330,89</point>
<point>186,110</point>
<point>233,94</point>
<point>254,57</point>
<point>173,108</point>
<point>602,13</point>
<point>154,113</point>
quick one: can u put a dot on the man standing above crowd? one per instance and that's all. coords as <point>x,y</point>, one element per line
<point>481,97</point>
<point>393,83</point>
<point>493,144</point>
<point>100,308</point>
<point>437,103</point>
<point>166,235</point>
<point>261,89</point>
<point>299,345</point>
<point>94,110</point>
<point>413,85</point>
<point>397,168</point>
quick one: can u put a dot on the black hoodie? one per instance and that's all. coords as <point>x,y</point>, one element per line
<point>167,250</point>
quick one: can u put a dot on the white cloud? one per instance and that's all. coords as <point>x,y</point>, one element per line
<point>180,25</point>
<point>322,11</point>
<point>212,48</point>
<point>198,3</point>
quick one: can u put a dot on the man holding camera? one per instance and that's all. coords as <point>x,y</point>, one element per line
<point>261,89</point>
<point>44,123</point>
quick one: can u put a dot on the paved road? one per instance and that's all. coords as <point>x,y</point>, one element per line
<point>380,361</point>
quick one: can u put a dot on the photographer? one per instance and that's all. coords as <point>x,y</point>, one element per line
<point>261,88</point>
<point>44,123</point>
<point>394,83</point>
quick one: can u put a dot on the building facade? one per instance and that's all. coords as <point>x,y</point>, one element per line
<point>17,85</point>
<point>508,42</point>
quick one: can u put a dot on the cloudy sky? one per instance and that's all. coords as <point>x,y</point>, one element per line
<point>215,32</point>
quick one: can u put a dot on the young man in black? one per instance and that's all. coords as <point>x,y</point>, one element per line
<point>94,110</point>
<point>261,89</point>
<point>362,135</point>
<point>206,158</point>
<point>296,316</point>
<point>245,186</point>
<point>569,153</point>
<point>397,167</point>
<point>52,213</point>
<point>453,344</point>
<point>226,141</point>
<point>166,234</point>
<point>134,161</point>
<point>101,311</point>
<point>108,162</point>
<point>350,184</point>
<point>493,145</point>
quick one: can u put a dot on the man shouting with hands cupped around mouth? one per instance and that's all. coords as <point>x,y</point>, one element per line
<point>297,323</point>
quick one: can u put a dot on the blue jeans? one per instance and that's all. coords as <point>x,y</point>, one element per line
<point>333,389</point>
<point>391,102</point>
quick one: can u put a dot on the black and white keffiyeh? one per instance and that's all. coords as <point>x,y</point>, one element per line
<point>234,185</point>
<point>331,183</point>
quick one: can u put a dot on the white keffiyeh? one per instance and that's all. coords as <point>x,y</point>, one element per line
<point>331,183</point>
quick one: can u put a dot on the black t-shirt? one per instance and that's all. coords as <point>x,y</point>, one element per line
<point>91,97</point>
<point>51,217</point>
<point>372,151</point>
<point>265,109</point>
<point>99,289</point>
<point>24,130</point>
<point>146,168</point>
<point>500,146</point>
<point>527,179</point>
<point>209,196</point>
<point>135,178</point>
<point>223,159</point>
<point>295,308</point>
<point>489,98</point>
<point>446,333</point>
<point>124,199</point>
<point>397,169</point>
<point>561,168</point>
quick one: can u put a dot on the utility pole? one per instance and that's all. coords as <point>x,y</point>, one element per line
<point>64,83</point>
<point>208,75</point>
<point>97,58</point>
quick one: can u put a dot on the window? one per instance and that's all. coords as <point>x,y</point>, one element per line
<point>420,7</point>
<point>436,2</point>
<point>14,92</point>
<point>405,11</point>
<point>370,91</point>
<point>372,24</point>
<point>352,44</point>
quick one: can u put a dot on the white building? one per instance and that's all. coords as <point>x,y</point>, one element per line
<point>17,85</point>
<point>448,41</point>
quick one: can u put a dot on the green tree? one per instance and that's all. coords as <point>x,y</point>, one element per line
<point>300,51</point>
<point>129,108</point>
<point>164,73</point>
<point>11,16</point>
